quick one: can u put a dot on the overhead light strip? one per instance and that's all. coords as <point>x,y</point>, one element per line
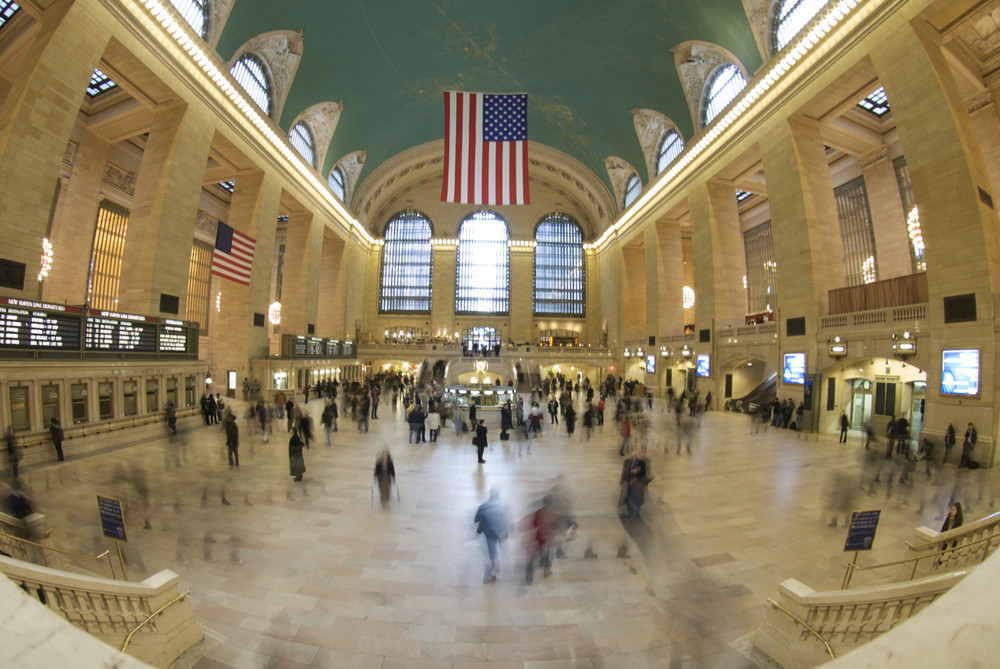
<point>751,94</point>
<point>183,36</point>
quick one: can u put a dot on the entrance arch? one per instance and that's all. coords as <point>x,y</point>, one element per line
<point>871,391</point>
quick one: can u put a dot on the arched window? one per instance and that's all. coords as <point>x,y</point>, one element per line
<point>196,13</point>
<point>406,264</point>
<point>788,17</point>
<point>722,88</point>
<point>337,183</point>
<point>671,145</point>
<point>632,189</point>
<point>558,267</point>
<point>251,75</point>
<point>301,138</point>
<point>483,269</point>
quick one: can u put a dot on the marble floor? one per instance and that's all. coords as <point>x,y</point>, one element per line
<point>314,574</point>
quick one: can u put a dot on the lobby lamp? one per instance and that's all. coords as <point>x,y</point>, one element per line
<point>904,346</point>
<point>838,348</point>
<point>208,378</point>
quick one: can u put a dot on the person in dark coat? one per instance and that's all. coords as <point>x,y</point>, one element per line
<point>385,477</point>
<point>233,441</point>
<point>569,417</point>
<point>480,439</point>
<point>305,428</point>
<point>212,410</point>
<point>296,463</point>
<point>633,482</point>
<point>967,445</point>
<point>472,412</point>
<point>949,441</point>
<point>55,429</point>
<point>493,523</point>
<point>171,412</point>
<point>843,427</point>
<point>505,419</point>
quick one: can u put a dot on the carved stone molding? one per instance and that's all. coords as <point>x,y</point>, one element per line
<point>695,62</point>
<point>69,155</point>
<point>650,126</point>
<point>281,51</point>
<point>205,226</point>
<point>220,13</point>
<point>758,12</point>
<point>351,165</point>
<point>979,101</point>
<point>322,118</point>
<point>619,171</point>
<point>120,179</point>
<point>875,156</point>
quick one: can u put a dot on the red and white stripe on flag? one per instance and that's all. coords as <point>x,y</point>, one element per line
<point>486,148</point>
<point>233,255</point>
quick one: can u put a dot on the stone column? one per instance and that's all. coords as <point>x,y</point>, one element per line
<point>633,294</point>
<point>443,287</point>
<point>522,268</point>
<point>952,185</point>
<point>664,278</point>
<point>331,283</point>
<point>36,118</point>
<point>719,259</point>
<point>161,224</point>
<point>892,245</point>
<point>300,274</point>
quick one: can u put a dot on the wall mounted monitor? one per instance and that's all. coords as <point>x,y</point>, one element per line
<point>960,371</point>
<point>651,364</point>
<point>704,367</point>
<point>794,369</point>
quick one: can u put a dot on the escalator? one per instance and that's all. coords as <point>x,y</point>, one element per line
<point>763,394</point>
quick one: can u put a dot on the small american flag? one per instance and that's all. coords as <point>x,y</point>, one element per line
<point>233,255</point>
<point>485,148</point>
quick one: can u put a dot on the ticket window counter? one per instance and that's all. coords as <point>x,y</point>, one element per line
<point>130,391</point>
<point>280,380</point>
<point>50,405</point>
<point>152,395</point>
<point>106,400</point>
<point>190,399</point>
<point>20,419</point>
<point>78,403</point>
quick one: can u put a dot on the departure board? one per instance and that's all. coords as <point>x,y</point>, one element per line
<point>38,325</point>
<point>120,333</point>
<point>297,346</point>
<point>173,336</point>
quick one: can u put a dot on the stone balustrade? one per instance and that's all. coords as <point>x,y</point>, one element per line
<point>161,618</point>
<point>969,545</point>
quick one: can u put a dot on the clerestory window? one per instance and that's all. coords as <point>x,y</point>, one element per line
<point>483,268</point>
<point>251,74</point>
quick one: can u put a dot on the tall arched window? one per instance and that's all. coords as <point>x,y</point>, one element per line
<point>251,74</point>
<point>788,17</point>
<point>483,269</point>
<point>406,264</point>
<point>671,145</point>
<point>632,189</point>
<point>337,183</point>
<point>196,13</point>
<point>301,138</point>
<point>558,267</point>
<point>722,88</point>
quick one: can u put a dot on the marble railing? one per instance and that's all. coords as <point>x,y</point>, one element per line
<point>31,529</point>
<point>905,315</point>
<point>962,546</point>
<point>804,628</point>
<point>151,618</point>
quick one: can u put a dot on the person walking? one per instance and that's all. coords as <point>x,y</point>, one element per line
<point>843,427</point>
<point>171,412</point>
<point>480,439</point>
<point>493,523</point>
<point>626,434</point>
<point>385,477</point>
<point>13,452</point>
<point>633,482</point>
<point>55,429</point>
<point>233,441</point>
<point>433,424</point>
<point>296,463</point>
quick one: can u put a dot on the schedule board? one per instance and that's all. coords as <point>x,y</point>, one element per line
<point>39,325</point>
<point>120,333</point>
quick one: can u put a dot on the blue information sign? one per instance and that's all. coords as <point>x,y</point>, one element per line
<point>112,518</point>
<point>861,534</point>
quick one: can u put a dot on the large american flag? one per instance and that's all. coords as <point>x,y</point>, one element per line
<point>233,255</point>
<point>485,148</point>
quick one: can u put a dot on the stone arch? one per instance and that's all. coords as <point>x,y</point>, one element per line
<point>281,51</point>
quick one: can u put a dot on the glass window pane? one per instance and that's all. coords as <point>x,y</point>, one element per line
<point>302,139</point>
<point>789,18</point>
<point>50,405</point>
<point>337,183</point>
<point>860,260</point>
<point>19,408</point>
<point>407,264</point>
<point>7,10</point>
<point>105,399</point>
<point>670,147</point>
<point>913,229</point>
<point>250,74</point>
<point>483,268</point>
<point>762,271</point>
<point>632,190</point>
<point>195,12</point>
<point>723,87</point>
<point>78,396</point>
<point>559,276</point>
<point>129,402</point>
<point>199,283</point>
<point>106,256</point>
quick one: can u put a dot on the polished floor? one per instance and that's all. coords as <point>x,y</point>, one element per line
<point>315,574</point>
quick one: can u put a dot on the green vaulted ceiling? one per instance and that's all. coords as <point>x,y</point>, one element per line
<point>585,65</point>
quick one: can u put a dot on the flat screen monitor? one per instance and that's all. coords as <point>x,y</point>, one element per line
<point>794,369</point>
<point>960,371</point>
<point>704,367</point>
<point>651,364</point>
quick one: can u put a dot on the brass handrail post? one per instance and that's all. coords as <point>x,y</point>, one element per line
<point>809,627</point>
<point>152,615</point>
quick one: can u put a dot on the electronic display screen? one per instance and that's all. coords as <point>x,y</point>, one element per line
<point>173,337</point>
<point>960,371</point>
<point>39,325</point>
<point>651,364</point>
<point>125,333</point>
<point>794,369</point>
<point>704,367</point>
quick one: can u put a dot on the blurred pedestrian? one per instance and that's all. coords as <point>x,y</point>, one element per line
<point>385,477</point>
<point>493,522</point>
<point>233,441</point>
<point>55,429</point>
<point>967,445</point>
<point>480,439</point>
<point>13,451</point>
<point>949,442</point>
<point>171,412</point>
<point>633,482</point>
<point>296,463</point>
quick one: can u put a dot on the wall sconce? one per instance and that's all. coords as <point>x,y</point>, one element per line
<point>208,378</point>
<point>626,353</point>
<point>664,353</point>
<point>838,348</point>
<point>686,351</point>
<point>904,346</point>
